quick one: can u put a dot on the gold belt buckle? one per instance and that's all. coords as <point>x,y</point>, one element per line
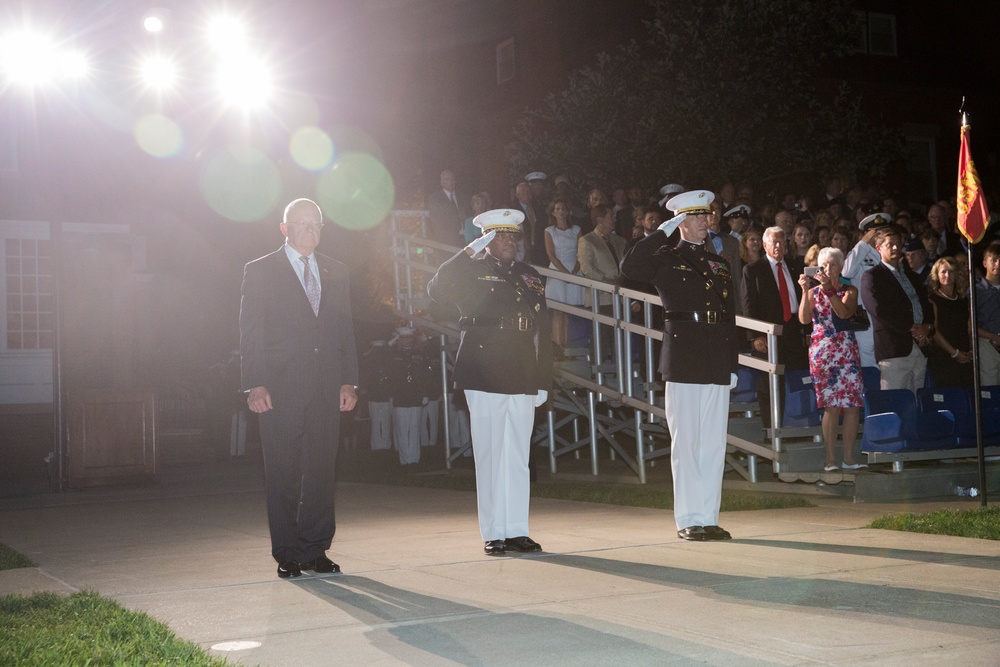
<point>523,323</point>
<point>713,316</point>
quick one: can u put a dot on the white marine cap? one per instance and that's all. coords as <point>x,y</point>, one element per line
<point>740,210</point>
<point>692,203</point>
<point>875,220</point>
<point>535,176</point>
<point>668,190</point>
<point>500,220</point>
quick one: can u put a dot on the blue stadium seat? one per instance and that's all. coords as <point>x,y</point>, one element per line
<point>746,386</point>
<point>894,424</point>
<point>958,401</point>
<point>989,404</point>
<point>872,377</point>
<point>800,400</point>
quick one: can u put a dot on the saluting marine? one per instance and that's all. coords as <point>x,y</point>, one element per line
<point>504,366</point>
<point>698,361</point>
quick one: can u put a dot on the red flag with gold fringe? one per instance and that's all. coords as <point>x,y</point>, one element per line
<point>972,214</point>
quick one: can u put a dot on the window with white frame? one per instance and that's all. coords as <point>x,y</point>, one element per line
<point>29,294</point>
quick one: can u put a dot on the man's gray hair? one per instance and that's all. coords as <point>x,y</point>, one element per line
<point>771,232</point>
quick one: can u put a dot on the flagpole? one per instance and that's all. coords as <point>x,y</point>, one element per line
<point>973,320</point>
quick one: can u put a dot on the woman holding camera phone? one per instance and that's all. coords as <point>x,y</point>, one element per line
<point>834,357</point>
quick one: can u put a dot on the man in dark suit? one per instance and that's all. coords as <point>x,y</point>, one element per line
<point>726,246</point>
<point>504,366</point>
<point>896,301</point>
<point>299,369</point>
<point>448,210</point>
<point>531,247</point>
<point>771,292</point>
<point>949,241</point>
<point>698,360</point>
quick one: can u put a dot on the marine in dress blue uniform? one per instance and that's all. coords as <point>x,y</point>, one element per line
<point>698,360</point>
<point>504,366</point>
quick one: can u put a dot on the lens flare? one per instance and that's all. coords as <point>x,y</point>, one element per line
<point>357,192</point>
<point>241,183</point>
<point>158,135</point>
<point>311,149</point>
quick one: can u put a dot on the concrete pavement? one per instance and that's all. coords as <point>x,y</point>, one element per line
<point>805,586</point>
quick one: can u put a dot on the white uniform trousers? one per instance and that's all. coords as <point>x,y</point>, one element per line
<point>406,433</point>
<point>501,438</point>
<point>429,423</point>
<point>381,414</point>
<point>904,372</point>
<point>697,416</point>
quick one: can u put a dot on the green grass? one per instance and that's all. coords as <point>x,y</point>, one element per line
<point>981,523</point>
<point>86,629</point>
<point>11,560</point>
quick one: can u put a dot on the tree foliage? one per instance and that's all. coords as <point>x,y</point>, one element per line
<point>717,89</point>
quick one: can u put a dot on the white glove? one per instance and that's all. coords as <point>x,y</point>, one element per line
<point>477,245</point>
<point>424,401</point>
<point>673,223</point>
<point>541,398</point>
<point>733,379</point>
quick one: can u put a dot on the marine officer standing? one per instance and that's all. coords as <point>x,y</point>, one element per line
<point>504,366</point>
<point>698,361</point>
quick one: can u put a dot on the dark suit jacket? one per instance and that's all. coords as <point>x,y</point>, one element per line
<point>284,347</point>
<point>761,301</point>
<point>446,219</point>
<point>731,253</point>
<point>534,233</point>
<point>890,310</point>
<point>692,352</point>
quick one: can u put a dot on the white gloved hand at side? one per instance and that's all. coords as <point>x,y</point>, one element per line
<point>477,245</point>
<point>673,223</point>
<point>540,399</point>
<point>733,379</point>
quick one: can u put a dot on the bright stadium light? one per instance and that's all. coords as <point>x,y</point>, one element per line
<point>153,23</point>
<point>244,82</point>
<point>158,72</point>
<point>28,58</point>
<point>227,36</point>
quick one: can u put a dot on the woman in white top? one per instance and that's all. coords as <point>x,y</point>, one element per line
<point>560,246</point>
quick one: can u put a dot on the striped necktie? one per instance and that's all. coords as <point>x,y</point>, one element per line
<point>311,285</point>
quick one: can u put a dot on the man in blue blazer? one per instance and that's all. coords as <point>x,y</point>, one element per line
<point>902,316</point>
<point>299,369</point>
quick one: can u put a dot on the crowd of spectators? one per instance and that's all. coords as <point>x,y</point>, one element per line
<point>918,300</point>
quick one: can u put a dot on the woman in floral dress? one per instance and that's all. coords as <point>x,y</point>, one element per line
<point>834,357</point>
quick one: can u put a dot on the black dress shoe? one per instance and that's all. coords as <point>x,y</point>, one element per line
<point>693,533</point>
<point>321,565</point>
<point>523,544</point>
<point>289,568</point>
<point>716,533</point>
<point>494,548</point>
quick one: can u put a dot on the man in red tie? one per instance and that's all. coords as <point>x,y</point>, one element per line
<point>770,292</point>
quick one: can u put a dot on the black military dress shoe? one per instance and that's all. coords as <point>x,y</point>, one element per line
<point>289,568</point>
<point>693,533</point>
<point>716,533</point>
<point>523,544</point>
<point>494,548</point>
<point>321,565</point>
